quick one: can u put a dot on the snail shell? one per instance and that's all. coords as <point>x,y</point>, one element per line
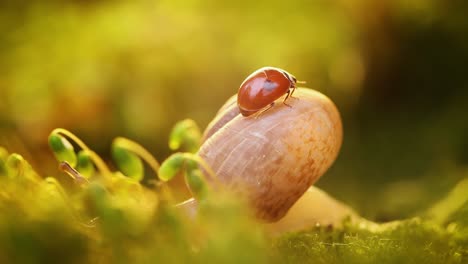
<point>273,158</point>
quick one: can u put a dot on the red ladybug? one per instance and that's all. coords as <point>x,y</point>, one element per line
<point>261,89</point>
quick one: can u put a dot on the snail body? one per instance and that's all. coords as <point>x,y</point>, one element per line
<point>274,159</point>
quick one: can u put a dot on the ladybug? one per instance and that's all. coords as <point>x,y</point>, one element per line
<point>261,89</point>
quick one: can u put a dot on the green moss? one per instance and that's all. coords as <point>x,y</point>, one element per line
<point>458,224</point>
<point>43,222</point>
<point>409,241</point>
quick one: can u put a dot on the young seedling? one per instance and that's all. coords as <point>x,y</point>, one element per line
<point>64,152</point>
<point>85,164</point>
<point>185,135</point>
<point>3,157</point>
<point>62,148</point>
<point>17,167</point>
<point>188,164</point>
<point>15,164</point>
<point>129,156</point>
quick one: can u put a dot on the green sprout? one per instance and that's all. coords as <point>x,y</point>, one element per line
<point>3,157</point>
<point>108,221</point>
<point>128,156</point>
<point>85,164</point>
<point>171,166</point>
<point>185,135</point>
<point>65,153</point>
<point>188,164</point>
<point>129,164</point>
<point>17,169</point>
<point>195,181</point>
<point>62,148</point>
<point>15,165</point>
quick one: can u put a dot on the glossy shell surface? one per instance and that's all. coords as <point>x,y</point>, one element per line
<point>263,87</point>
<point>274,159</point>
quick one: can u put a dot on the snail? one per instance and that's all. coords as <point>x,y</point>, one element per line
<point>271,155</point>
<point>273,160</point>
<point>270,158</point>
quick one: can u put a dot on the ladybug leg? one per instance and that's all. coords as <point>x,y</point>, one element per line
<point>293,90</point>
<point>289,94</point>
<point>264,110</point>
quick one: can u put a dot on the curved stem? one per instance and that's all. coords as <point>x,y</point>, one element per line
<point>21,169</point>
<point>100,164</point>
<point>149,159</point>
<point>140,151</point>
<point>97,160</point>
<point>70,135</point>
<point>203,164</point>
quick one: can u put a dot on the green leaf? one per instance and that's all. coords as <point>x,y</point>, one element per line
<point>3,157</point>
<point>14,164</point>
<point>84,164</point>
<point>196,183</point>
<point>185,134</point>
<point>171,166</point>
<point>63,149</point>
<point>128,163</point>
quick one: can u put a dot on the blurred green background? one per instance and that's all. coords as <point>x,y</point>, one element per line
<point>397,71</point>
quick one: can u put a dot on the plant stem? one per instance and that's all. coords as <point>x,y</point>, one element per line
<point>140,151</point>
<point>149,159</point>
<point>100,164</point>
<point>203,164</point>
